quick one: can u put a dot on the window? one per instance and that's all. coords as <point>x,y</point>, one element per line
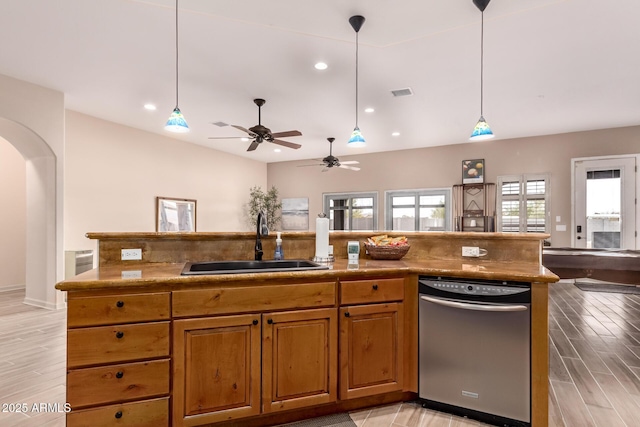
<point>352,211</point>
<point>523,203</point>
<point>418,210</point>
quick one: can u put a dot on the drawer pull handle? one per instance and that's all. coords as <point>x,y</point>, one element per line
<point>119,374</point>
<point>119,334</point>
<point>270,321</point>
<point>120,304</point>
<point>375,287</point>
<point>119,414</point>
<point>255,321</point>
<point>346,314</point>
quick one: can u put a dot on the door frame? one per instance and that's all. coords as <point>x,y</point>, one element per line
<point>573,191</point>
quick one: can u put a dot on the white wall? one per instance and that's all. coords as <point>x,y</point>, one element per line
<point>32,120</point>
<point>114,173</point>
<point>440,167</point>
<point>13,217</point>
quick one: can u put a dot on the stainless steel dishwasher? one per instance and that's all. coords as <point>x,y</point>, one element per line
<point>474,343</point>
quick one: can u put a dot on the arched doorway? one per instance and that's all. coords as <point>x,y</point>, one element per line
<point>43,242</point>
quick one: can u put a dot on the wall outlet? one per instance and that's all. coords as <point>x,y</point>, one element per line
<point>471,251</point>
<point>132,274</point>
<point>131,254</point>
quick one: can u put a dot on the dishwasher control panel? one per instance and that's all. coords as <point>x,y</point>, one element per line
<point>474,289</point>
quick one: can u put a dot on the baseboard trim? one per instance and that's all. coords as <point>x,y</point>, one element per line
<point>9,288</point>
<point>43,304</point>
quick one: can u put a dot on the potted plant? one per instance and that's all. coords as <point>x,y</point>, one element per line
<point>267,202</point>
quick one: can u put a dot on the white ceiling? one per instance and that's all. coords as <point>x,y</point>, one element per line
<point>551,66</point>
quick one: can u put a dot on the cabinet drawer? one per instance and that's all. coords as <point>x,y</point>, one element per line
<point>370,291</point>
<point>117,343</point>
<point>109,310</point>
<point>107,384</point>
<point>242,299</point>
<point>148,413</point>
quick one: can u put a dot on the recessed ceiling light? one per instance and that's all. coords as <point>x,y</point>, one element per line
<point>369,110</point>
<point>150,107</point>
<point>321,66</point>
<point>395,134</point>
<point>277,150</point>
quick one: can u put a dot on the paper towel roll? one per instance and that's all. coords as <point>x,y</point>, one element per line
<point>322,237</point>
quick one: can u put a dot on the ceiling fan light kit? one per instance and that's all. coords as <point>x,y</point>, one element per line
<point>331,161</point>
<point>177,122</point>
<point>356,140</point>
<point>260,133</point>
<point>481,131</point>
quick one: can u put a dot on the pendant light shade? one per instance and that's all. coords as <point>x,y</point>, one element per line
<point>356,140</point>
<point>176,122</point>
<point>481,131</point>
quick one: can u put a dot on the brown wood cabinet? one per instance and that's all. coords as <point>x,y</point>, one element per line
<point>216,369</point>
<point>224,353</point>
<point>299,359</point>
<point>234,366</point>
<point>371,338</point>
<point>115,371</point>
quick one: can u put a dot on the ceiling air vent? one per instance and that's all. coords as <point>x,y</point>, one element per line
<point>220,124</point>
<point>402,92</point>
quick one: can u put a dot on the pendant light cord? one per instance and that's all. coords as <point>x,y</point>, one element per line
<point>357,78</point>
<point>481,61</point>
<point>176,53</point>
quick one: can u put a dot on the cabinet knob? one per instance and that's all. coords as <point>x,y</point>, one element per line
<point>375,287</point>
<point>120,304</point>
<point>119,374</point>
<point>270,321</point>
<point>255,321</point>
<point>346,314</point>
<point>119,414</point>
<point>119,334</point>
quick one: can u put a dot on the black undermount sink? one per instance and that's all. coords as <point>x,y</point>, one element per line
<point>236,267</point>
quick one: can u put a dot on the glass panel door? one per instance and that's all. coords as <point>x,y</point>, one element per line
<point>604,204</point>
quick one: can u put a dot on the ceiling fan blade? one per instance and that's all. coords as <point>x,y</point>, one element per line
<point>243,129</point>
<point>227,137</point>
<point>253,146</point>
<point>349,167</point>
<point>286,143</point>
<point>315,164</point>
<point>350,162</point>
<point>286,134</point>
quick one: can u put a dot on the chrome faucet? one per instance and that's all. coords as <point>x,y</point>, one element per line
<point>261,230</point>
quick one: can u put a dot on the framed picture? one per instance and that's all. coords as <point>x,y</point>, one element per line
<point>295,214</point>
<point>473,171</point>
<point>175,214</point>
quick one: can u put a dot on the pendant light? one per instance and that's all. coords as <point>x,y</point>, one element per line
<point>356,140</point>
<point>482,131</point>
<point>176,122</point>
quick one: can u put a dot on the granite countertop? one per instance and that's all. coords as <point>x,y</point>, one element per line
<point>168,274</point>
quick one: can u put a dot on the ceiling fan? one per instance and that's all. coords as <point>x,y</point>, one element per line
<point>332,161</point>
<point>261,133</point>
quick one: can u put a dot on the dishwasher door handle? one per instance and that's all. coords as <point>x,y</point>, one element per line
<point>477,307</point>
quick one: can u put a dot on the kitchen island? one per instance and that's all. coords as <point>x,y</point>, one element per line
<point>151,347</point>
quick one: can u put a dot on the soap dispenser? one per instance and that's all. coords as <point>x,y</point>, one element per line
<point>279,254</point>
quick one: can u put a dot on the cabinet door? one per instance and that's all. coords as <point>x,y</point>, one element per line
<point>370,349</point>
<point>216,369</point>
<point>299,359</point>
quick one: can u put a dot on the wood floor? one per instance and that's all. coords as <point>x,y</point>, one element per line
<point>594,365</point>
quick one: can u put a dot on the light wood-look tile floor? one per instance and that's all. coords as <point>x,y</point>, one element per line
<point>594,364</point>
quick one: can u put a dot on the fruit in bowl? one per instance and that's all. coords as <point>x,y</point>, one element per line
<point>384,240</point>
<point>385,247</point>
